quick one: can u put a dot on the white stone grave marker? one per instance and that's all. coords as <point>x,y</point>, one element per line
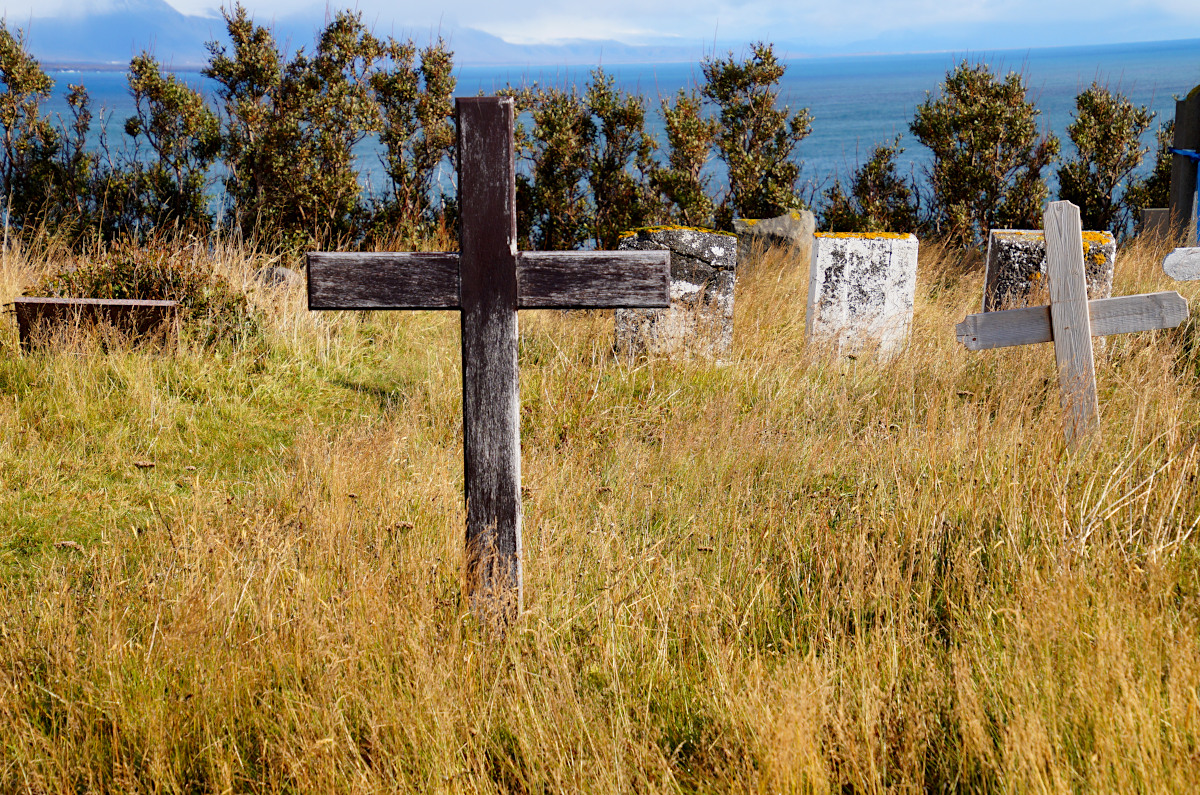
<point>860,290</point>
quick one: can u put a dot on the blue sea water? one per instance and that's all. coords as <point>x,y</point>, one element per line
<point>855,101</point>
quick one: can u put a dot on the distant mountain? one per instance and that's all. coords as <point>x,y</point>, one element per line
<point>120,30</point>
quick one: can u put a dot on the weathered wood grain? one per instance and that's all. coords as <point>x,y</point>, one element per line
<point>594,279</point>
<point>37,316</point>
<point>1070,321</point>
<point>1031,325</point>
<point>487,283</point>
<point>382,280</point>
<point>491,392</point>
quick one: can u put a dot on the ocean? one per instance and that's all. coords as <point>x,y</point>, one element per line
<point>856,101</point>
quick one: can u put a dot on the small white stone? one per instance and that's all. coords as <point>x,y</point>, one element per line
<point>1183,264</point>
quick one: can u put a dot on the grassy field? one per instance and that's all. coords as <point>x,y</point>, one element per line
<point>785,574</point>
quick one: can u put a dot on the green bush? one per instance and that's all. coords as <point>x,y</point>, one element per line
<point>1154,190</point>
<point>682,182</point>
<point>1107,134</point>
<point>210,308</point>
<point>754,137</point>
<point>988,156</point>
<point>879,199</point>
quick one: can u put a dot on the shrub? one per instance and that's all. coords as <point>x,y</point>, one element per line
<point>1154,190</point>
<point>755,138</point>
<point>291,127</point>
<point>682,182</point>
<point>30,142</point>
<point>183,135</point>
<point>585,163</point>
<point>1106,132</point>
<point>416,102</point>
<point>620,160</point>
<point>208,304</point>
<point>553,207</point>
<point>879,200</point>
<point>988,155</point>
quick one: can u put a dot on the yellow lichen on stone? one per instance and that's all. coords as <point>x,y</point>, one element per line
<point>865,235</point>
<point>673,228</point>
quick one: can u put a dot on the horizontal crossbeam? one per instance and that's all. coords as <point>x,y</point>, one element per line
<point>1108,316</point>
<point>545,280</point>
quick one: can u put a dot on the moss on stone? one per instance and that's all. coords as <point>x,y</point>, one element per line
<point>866,235</point>
<point>673,228</point>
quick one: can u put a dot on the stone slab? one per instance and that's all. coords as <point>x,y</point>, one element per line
<point>703,277</point>
<point>1016,267</point>
<point>1183,264</point>
<point>791,229</point>
<point>861,288</point>
<point>1156,222</point>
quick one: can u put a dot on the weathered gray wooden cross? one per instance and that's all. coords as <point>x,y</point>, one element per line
<point>1071,320</point>
<point>488,281</point>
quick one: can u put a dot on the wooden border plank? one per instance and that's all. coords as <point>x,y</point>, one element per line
<point>594,279</point>
<point>382,280</point>
<point>1070,320</point>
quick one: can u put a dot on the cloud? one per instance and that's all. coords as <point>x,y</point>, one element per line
<point>800,21</point>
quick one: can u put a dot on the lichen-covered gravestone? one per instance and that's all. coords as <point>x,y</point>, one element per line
<point>703,275</point>
<point>791,229</point>
<point>860,291</point>
<point>1016,267</point>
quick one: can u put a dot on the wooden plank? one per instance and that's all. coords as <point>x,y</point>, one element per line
<point>594,279</point>
<point>1031,325</point>
<point>132,302</point>
<point>1183,264</point>
<point>1007,327</point>
<point>1069,320</point>
<point>491,394</point>
<point>1145,312</point>
<point>382,280</point>
<point>37,316</point>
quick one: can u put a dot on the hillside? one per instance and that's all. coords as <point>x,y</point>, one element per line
<point>240,569</point>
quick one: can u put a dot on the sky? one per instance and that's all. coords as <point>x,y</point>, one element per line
<point>855,25</point>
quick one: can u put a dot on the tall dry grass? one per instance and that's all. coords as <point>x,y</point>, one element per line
<point>782,574</point>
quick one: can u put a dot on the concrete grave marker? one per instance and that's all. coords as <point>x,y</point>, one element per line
<point>1071,320</point>
<point>1016,266</point>
<point>860,291</point>
<point>488,282</point>
<point>703,277</point>
<point>792,229</point>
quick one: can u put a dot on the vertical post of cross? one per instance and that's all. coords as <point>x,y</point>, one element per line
<point>1070,321</point>
<point>491,391</point>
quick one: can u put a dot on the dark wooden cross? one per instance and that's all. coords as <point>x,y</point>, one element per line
<point>488,281</point>
<point>1071,320</point>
